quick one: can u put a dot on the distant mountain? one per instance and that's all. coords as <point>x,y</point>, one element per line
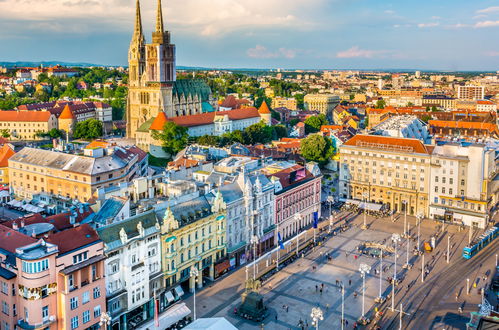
<point>45,64</point>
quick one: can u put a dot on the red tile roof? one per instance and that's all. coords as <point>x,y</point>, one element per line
<point>74,238</point>
<point>159,123</point>
<point>66,113</point>
<point>208,117</point>
<point>25,116</point>
<point>388,143</point>
<point>5,153</point>
<point>11,239</point>
<point>60,221</point>
<point>264,109</point>
<point>463,124</point>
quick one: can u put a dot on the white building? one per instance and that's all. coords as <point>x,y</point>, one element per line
<point>407,126</point>
<point>461,182</point>
<point>471,92</point>
<point>132,268</point>
<point>486,105</point>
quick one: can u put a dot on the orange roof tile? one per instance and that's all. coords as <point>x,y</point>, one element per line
<point>463,124</point>
<point>388,143</point>
<point>25,116</point>
<point>264,109</point>
<point>159,122</point>
<point>66,113</point>
<point>5,153</point>
<point>97,144</point>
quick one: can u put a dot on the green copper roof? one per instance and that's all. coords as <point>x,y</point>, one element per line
<point>192,87</point>
<point>207,107</point>
<point>111,233</point>
<point>144,128</point>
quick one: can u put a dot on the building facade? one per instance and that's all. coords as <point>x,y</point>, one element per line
<point>471,92</point>
<point>324,103</point>
<point>24,125</point>
<point>389,171</point>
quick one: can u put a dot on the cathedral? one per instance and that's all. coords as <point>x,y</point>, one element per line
<point>153,87</point>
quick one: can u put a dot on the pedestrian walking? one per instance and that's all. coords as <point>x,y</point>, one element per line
<point>316,288</point>
<point>287,309</point>
<point>350,282</point>
<point>327,307</point>
<point>457,295</point>
<point>276,316</point>
<point>321,291</point>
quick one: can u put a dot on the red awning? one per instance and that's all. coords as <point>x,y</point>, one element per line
<point>223,266</point>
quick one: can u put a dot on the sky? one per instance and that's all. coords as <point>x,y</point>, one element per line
<point>449,35</point>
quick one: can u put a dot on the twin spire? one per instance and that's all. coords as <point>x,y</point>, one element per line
<point>158,33</point>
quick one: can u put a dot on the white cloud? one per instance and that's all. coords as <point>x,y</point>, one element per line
<point>206,18</point>
<point>262,52</point>
<point>389,12</point>
<point>485,24</point>
<point>488,10</point>
<point>428,25</point>
<point>492,53</point>
<point>458,26</point>
<point>356,52</point>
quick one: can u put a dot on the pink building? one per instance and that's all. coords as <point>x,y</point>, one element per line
<point>297,197</point>
<point>51,280</point>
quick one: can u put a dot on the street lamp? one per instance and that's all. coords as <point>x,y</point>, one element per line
<point>316,316</point>
<point>380,298</point>
<point>342,306</point>
<point>405,217</point>
<point>254,241</point>
<point>407,265</point>
<point>364,269</point>
<point>395,240</point>
<point>105,320</point>
<point>195,274</point>
<point>448,248</point>
<point>420,217</point>
<point>365,195</point>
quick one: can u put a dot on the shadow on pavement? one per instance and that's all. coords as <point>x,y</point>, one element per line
<point>454,320</point>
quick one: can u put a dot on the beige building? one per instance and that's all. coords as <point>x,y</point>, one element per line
<point>471,92</point>
<point>391,171</point>
<point>284,102</point>
<point>23,125</point>
<point>324,103</point>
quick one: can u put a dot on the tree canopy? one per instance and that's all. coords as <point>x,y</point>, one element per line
<point>173,137</point>
<point>317,148</point>
<point>88,129</point>
<point>313,124</point>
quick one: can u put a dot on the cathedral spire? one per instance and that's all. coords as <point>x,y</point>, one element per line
<point>138,34</point>
<point>159,19</point>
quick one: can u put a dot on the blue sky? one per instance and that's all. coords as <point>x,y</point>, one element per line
<point>333,34</point>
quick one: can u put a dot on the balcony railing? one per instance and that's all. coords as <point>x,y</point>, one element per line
<point>46,321</point>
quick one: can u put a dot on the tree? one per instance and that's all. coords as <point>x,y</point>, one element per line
<point>317,148</point>
<point>209,140</point>
<point>88,129</point>
<point>294,121</point>
<point>257,133</point>
<point>434,109</point>
<point>5,133</point>
<point>231,137</point>
<point>276,115</point>
<point>313,124</point>
<point>380,104</point>
<point>173,137</point>
<point>55,133</point>
<point>280,131</point>
<point>300,101</point>
<point>425,118</point>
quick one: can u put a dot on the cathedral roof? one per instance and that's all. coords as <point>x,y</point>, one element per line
<point>159,122</point>
<point>192,87</point>
<point>66,113</point>
<point>264,109</point>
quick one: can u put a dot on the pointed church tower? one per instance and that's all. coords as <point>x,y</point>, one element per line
<point>136,53</point>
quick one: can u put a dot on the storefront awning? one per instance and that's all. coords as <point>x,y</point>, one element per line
<point>439,211</point>
<point>221,267</point>
<point>458,216</point>
<point>179,291</point>
<point>169,296</point>
<point>168,318</point>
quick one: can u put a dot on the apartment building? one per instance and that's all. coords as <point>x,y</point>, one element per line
<point>24,125</point>
<point>133,269</point>
<point>54,282</point>
<point>391,172</point>
<point>324,103</point>
<point>284,102</point>
<point>471,92</point>
<point>461,180</point>
<point>442,101</point>
<point>44,174</point>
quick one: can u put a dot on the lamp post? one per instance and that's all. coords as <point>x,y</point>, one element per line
<point>254,241</point>
<point>342,306</point>
<point>420,217</point>
<point>364,269</point>
<point>380,297</point>
<point>365,195</point>
<point>330,200</point>
<point>405,217</point>
<point>407,265</point>
<point>395,240</point>
<point>467,286</point>
<point>195,274</point>
<point>448,248</point>
<point>105,320</point>
<point>316,316</point>
<point>422,269</point>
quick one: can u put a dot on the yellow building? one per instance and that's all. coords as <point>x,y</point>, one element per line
<point>284,102</point>
<point>23,125</point>
<point>193,235</point>
<point>391,171</point>
<point>6,151</point>
<point>36,171</point>
<point>324,103</point>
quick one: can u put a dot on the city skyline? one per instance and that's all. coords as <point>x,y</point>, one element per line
<point>258,34</point>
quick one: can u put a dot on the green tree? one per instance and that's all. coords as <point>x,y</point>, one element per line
<point>294,121</point>
<point>173,137</point>
<point>317,148</point>
<point>257,133</point>
<point>380,104</point>
<point>209,140</point>
<point>434,109</point>
<point>426,118</point>
<point>300,101</point>
<point>276,115</point>
<point>5,133</point>
<point>231,137</point>
<point>313,124</point>
<point>280,131</point>
<point>88,129</point>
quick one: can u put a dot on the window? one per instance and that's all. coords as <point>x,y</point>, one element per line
<point>74,322</point>
<point>450,191</point>
<point>436,189</point>
<point>73,303</point>
<point>80,257</point>
<point>35,267</point>
<point>114,267</point>
<point>5,308</point>
<point>5,288</point>
<point>97,311</point>
<point>96,292</point>
<point>443,190</point>
<point>85,297</point>
<point>45,313</point>
<point>436,179</point>
<point>86,316</point>
<point>451,181</point>
<point>71,281</point>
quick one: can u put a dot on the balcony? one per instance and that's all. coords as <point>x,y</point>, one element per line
<point>45,323</point>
